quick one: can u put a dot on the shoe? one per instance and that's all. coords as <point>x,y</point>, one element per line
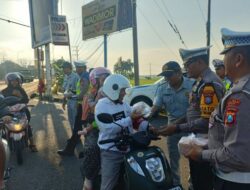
<point>80,155</point>
<point>64,152</point>
<point>33,148</point>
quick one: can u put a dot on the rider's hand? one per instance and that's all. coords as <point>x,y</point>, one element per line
<point>153,130</point>
<point>6,119</point>
<point>16,93</point>
<point>83,132</point>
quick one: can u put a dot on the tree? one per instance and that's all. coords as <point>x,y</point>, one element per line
<point>125,68</point>
<point>59,75</point>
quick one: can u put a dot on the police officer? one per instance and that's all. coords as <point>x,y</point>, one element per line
<point>229,131</point>
<point>81,89</point>
<point>173,96</point>
<point>69,87</point>
<point>220,71</point>
<point>206,93</point>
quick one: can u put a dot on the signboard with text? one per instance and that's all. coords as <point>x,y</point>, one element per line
<point>39,21</point>
<point>105,16</point>
<point>59,30</point>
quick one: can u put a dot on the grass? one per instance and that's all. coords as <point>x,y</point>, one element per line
<point>145,81</point>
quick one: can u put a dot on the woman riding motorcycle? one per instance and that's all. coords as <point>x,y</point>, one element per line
<point>14,88</point>
<point>91,152</point>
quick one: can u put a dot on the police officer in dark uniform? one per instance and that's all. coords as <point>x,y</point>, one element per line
<point>229,130</point>
<point>205,96</point>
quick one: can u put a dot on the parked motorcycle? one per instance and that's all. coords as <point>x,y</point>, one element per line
<point>16,131</point>
<point>145,167</point>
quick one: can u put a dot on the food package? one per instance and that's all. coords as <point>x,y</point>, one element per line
<point>186,143</point>
<point>142,109</point>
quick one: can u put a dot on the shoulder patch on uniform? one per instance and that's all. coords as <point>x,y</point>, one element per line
<point>230,117</point>
<point>233,102</point>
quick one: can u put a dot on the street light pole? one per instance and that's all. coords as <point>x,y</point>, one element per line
<point>208,28</point>
<point>135,45</point>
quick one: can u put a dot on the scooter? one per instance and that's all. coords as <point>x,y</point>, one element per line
<point>146,167</point>
<point>4,103</point>
<point>16,131</point>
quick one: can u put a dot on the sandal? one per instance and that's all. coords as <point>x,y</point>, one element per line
<point>33,148</point>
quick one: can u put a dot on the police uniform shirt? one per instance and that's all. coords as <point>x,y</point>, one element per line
<point>174,101</point>
<point>121,115</point>
<point>205,96</point>
<point>70,81</point>
<point>229,147</point>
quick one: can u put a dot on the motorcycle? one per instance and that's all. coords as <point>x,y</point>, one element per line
<point>16,131</point>
<point>4,103</point>
<point>145,167</point>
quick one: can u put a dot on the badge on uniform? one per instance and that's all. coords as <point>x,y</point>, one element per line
<point>208,101</point>
<point>230,117</point>
<point>231,111</point>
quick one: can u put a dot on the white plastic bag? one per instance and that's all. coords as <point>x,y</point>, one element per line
<point>142,109</point>
<point>186,143</point>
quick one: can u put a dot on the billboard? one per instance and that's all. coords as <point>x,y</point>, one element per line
<point>105,16</point>
<point>39,20</point>
<point>59,30</point>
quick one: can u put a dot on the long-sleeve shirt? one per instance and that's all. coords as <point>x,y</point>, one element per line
<point>229,131</point>
<point>121,115</point>
<point>206,93</point>
<point>9,91</point>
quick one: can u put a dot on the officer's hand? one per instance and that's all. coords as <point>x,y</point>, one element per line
<point>194,153</point>
<point>6,119</point>
<point>167,130</point>
<point>16,93</point>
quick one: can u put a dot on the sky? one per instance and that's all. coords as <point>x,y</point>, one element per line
<point>157,42</point>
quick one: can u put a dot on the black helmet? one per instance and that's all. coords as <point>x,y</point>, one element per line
<point>12,76</point>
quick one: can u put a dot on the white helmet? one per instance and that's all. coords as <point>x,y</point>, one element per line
<point>113,85</point>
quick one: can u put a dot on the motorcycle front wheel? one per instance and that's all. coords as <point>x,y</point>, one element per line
<point>19,152</point>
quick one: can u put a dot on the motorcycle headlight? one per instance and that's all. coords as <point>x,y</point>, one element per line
<point>17,127</point>
<point>135,166</point>
<point>155,169</point>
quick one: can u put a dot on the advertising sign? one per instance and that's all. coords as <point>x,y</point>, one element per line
<point>39,20</point>
<point>105,16</point>
<point>59,30</point>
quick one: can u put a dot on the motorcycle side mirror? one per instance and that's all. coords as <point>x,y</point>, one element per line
<point>105,118</point>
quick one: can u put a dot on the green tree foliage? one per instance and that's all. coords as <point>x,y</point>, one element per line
<point>125,68</point>
<point>59,75</point>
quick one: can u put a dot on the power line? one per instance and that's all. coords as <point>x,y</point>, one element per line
<point>157,34</point>
<point>9,21</point>
<point>172,24</point>
<point>93,53</point>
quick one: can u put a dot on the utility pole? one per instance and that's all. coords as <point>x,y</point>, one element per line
<point>76,50</point>
<point>105,51</point>
<point>135,45</point>
<point>208,28</point>
<point>150,70</point>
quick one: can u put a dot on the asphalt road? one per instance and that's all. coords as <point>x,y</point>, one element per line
<point>46,170</point>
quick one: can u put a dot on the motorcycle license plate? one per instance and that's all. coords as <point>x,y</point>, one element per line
<point>16,136</point>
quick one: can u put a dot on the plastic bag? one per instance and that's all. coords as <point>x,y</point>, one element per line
<point>186,143</point>
<point>142,109</point>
